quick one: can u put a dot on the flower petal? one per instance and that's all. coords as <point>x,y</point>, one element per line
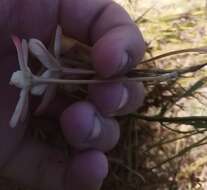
<point>19,108</point>
<point>25,54</point>
<point>40,89</point>
<point>58,40</point>
<point>22,56</point>
<point>41,52</point>
<point>46,74</point>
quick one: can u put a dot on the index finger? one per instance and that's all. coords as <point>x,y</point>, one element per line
<point>117,42</point>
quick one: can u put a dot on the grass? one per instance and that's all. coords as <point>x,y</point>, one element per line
<point>167,154</point>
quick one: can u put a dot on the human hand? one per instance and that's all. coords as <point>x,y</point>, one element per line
<point>117,44</point>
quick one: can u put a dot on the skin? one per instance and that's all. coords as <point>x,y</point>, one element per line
<point>107,27</point>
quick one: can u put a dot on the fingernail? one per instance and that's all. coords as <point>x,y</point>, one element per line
<point>124,98</point>
<point>125,59</point>
<point>96,129</point>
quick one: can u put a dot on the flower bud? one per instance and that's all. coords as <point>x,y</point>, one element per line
<point>18,79</point>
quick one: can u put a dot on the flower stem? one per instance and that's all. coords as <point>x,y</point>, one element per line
<point>162,77</point>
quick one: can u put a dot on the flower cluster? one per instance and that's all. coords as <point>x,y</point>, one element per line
<point>45,84</point>
<point>38,85</point>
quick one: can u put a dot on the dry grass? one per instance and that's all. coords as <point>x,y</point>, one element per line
<point>155,155</point>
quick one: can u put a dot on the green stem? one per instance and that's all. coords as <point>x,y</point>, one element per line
<point>190,50</point>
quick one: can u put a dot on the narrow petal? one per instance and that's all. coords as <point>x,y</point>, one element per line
<point>58,42</point>
<point>48,97</point>
<point>40,89</point>
<point>41,52</point>
<point>18,46</point>
<point>25,54</point>
<point>46,74</point>
<point>19,108</point>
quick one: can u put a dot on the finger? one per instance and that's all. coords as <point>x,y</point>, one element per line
<point>118,51</point>
<point>92,176</point>
<point>117,43</point>
<point>117,98</point>
<point>42,167</point>
<point>85,128</point>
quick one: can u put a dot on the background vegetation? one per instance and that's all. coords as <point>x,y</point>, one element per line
<point>160,150</point>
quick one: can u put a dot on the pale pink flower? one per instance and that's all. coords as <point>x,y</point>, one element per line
<point>51,63</point>
<point>25,80</point>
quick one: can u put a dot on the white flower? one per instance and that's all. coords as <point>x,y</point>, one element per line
<point>51,63</point>
<point>38,85</point>
<point>25,80</point>
<point>22,79</point>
